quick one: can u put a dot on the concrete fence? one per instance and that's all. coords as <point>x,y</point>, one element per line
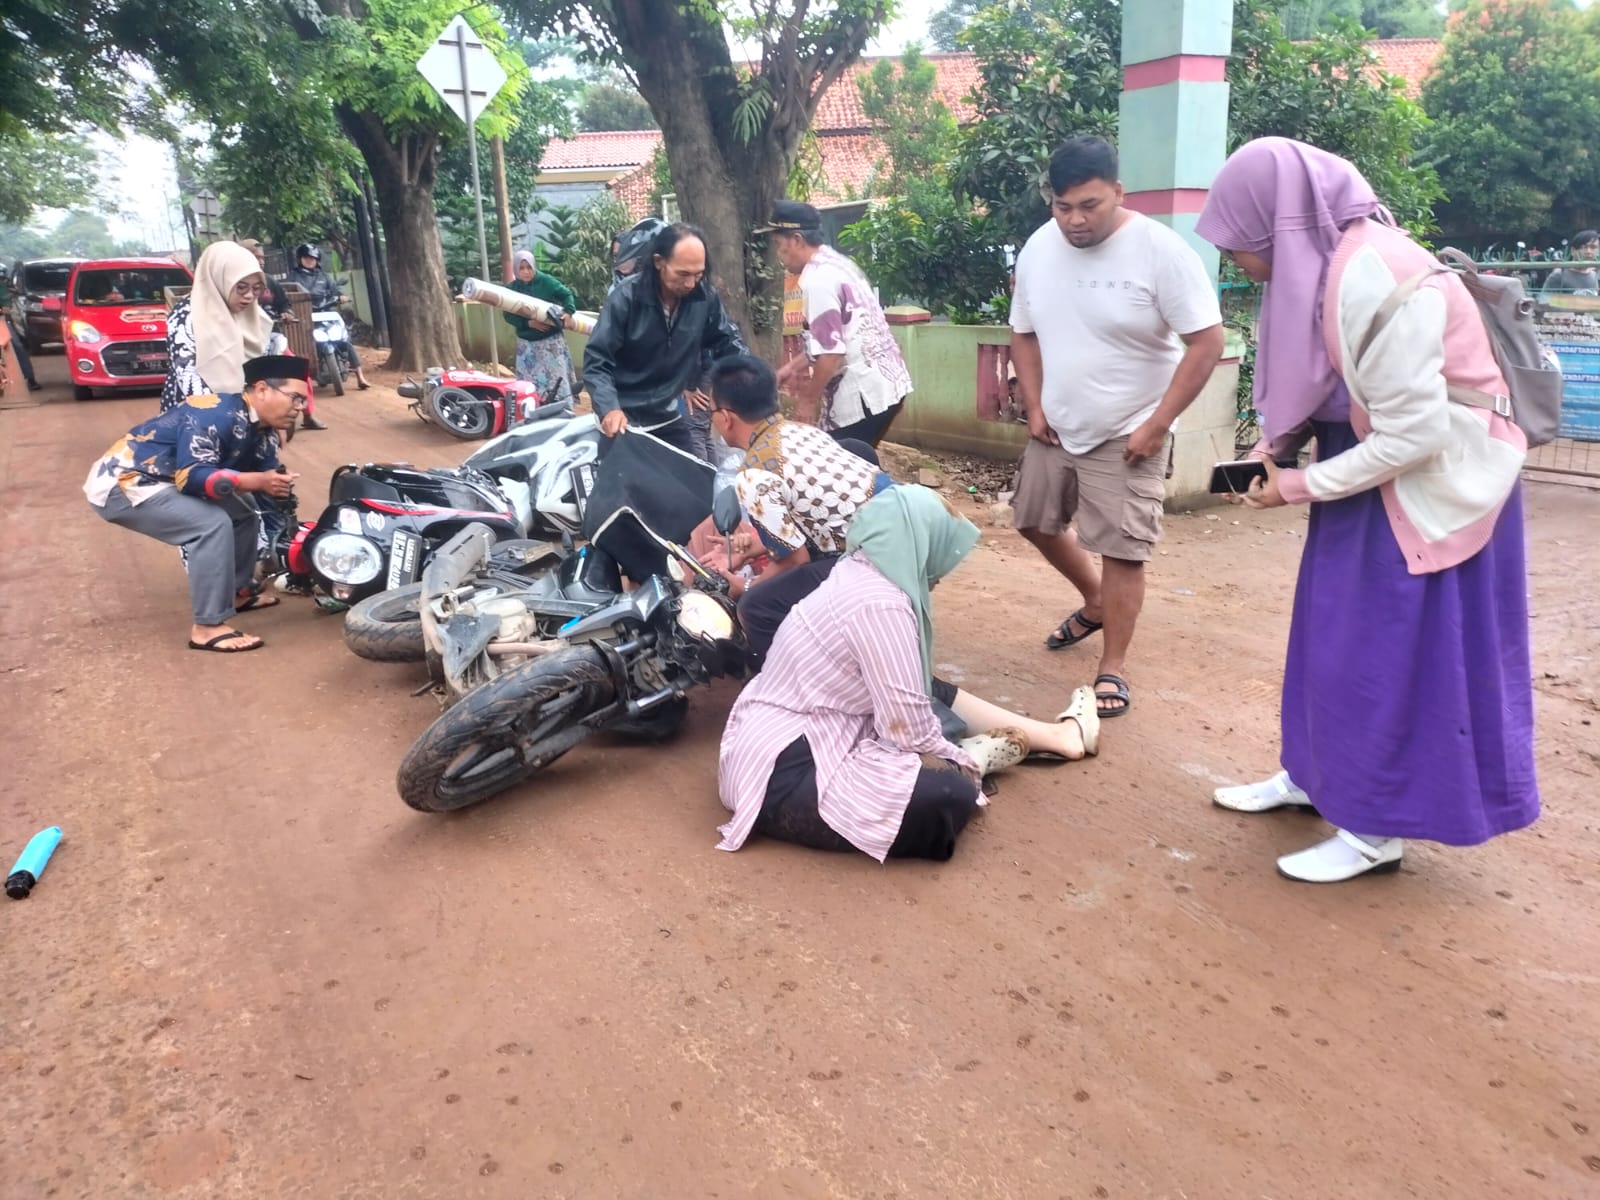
<point>963,401</point>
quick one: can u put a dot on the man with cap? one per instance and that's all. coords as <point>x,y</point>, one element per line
<point>183,477</point>
<point>853,379</point>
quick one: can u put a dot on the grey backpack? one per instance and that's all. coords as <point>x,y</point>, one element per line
<point>1532,371</point>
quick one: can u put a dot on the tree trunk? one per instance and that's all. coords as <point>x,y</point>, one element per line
<point>726,184</point>
<point>422,320</point>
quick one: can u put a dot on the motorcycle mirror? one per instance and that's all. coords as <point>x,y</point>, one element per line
<point>725,511</point>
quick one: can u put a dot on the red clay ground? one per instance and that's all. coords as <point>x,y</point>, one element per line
<point>251,972</point>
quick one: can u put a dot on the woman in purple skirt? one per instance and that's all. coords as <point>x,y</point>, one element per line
<point>1407,694</point>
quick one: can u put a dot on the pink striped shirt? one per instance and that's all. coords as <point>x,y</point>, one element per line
<point>845,671</point>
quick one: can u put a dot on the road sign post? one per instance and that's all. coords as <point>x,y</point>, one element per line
<point>467,77</point>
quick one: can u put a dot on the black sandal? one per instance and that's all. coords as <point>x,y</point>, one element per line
<point>1121,696</point>
<point>216,647</point>
<point>1064,637</point>
<point>254,596</point>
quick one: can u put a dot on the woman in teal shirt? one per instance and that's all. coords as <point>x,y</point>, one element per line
<point>542,357</point>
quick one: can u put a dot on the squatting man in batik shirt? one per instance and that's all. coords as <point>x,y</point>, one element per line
<point>183,478</point>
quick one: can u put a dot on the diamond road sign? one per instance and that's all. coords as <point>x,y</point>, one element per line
<point>444,66</point>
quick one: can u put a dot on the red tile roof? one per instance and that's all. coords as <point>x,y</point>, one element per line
<point>1409,58</point>
<point>840,109</point>
<point>592,151</point>
<point>633,189</point>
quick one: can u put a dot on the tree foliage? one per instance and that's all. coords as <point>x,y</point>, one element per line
<point>610,103</point>
<point>45,172</point>
<point>1303,19</point>
<point>934,250</point>
<point>1041,81</point>
<point>586,266</point>
<point>916,128</point>
<point>1058,74</point>
<point>1324,92</point>
<point>1516,104</point>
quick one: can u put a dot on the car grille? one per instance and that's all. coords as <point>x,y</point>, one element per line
<point>123,358</point>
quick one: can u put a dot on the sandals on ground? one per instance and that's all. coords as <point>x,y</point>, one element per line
<point>1119,696</point>
<point>216,647</point>
<point>1063,635</point>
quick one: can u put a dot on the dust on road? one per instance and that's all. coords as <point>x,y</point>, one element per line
<point>251,972</point>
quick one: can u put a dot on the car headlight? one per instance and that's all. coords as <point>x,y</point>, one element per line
<point>344,558</point>
<point>701,616</point>
<point>82,331</point>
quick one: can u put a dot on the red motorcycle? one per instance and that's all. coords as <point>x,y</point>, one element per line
<point>471,404</point>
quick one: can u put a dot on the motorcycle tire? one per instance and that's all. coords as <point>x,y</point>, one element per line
<point>502,733</point>
<point>460,413</point>
<point>660,724</point>
<point>387,627</point>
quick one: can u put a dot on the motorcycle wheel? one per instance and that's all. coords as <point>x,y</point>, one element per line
<point>338,375</point>
<point>499,734</point>
<point>387,627</point>
<point>460,412</point>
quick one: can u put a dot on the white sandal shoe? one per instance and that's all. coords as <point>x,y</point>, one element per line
<point>997,750</point>
<point>1343,856</point>
<point>1085,710</point>
<point>1269,794</point>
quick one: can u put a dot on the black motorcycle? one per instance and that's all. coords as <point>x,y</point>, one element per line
<point>625,667</point>
<point>381,522</point>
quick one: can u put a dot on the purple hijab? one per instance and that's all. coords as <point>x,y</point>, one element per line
<point>1290,203</point>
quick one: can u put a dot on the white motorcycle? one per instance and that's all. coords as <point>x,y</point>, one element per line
<point>331,335</point>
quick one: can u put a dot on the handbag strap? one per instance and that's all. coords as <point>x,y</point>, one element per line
<point>1471,397</point>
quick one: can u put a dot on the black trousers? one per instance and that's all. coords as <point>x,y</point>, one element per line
<point>870,429</point>
<point>942,802</point>
<point>764,605</point>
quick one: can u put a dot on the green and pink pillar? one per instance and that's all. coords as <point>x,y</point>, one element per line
<point>1173,123</point>
<point>1172,140</point>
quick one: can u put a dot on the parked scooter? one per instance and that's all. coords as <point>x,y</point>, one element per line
<point>518,703</point>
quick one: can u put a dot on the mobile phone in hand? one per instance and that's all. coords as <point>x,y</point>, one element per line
<point>1229,478</point>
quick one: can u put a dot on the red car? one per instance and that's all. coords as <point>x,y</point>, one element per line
<point>115,322</point>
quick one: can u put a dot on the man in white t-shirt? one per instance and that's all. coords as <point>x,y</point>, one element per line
<point>857,378</point>
<point>1115,329</point>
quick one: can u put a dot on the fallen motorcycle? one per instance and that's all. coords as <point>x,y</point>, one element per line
<point>382,520</point>
<point>518,702</point>
<point>471,404</point>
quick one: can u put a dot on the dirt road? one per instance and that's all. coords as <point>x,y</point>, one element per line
<point>251,972</point>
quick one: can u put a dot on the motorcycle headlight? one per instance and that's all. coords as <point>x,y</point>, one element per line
<point>344,558</point>
<point>702,617</point>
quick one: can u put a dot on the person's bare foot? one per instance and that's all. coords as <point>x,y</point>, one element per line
<point>222,639</point>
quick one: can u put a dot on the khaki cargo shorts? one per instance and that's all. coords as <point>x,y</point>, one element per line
<point>1117,505</point>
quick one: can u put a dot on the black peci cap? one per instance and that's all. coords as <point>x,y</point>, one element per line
<point>276,366</point>
<point>790,216</point>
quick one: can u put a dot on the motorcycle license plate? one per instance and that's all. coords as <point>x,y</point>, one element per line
<point>405,558</point>
<point>583,485</point>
